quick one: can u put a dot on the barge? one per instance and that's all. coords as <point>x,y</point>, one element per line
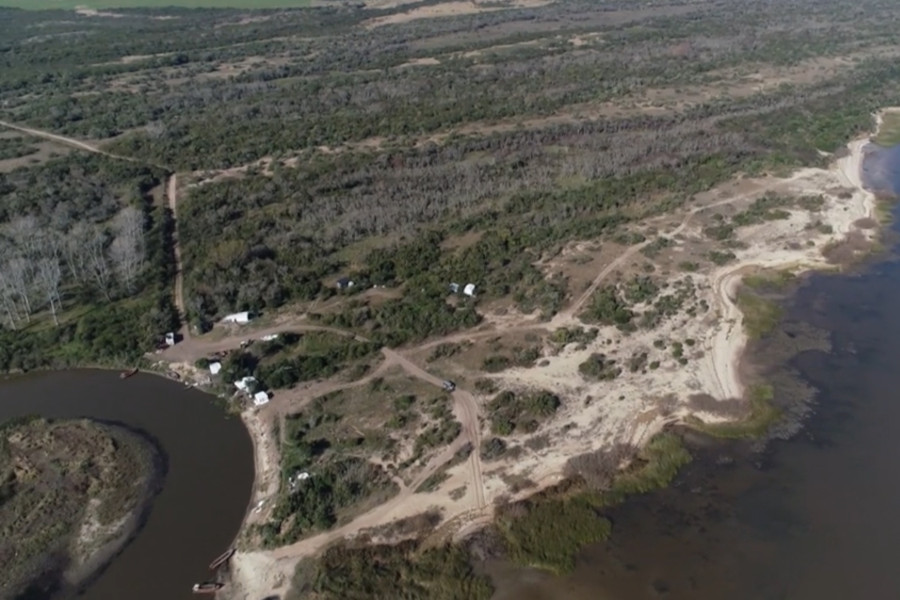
<point>207,587</point>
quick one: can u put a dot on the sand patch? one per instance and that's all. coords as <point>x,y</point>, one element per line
<point>447,9</point>
<point>87,11</point>
<point>420,62</point>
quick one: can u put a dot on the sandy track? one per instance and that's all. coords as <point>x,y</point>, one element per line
<point>261,569</point>
<point>267,450</point>
<point>402,505</point>
<point>570,314</point>
<point>466,410</point>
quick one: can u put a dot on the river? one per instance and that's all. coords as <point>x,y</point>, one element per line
<point>815,517</point>
<point>207,484</point>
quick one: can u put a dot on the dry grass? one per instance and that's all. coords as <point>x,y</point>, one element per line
<point>889,133</point>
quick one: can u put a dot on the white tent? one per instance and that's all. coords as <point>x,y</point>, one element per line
<point>260,398</point>
<point>241,317</point>
<point>469,290</point>
<point>215,367</point>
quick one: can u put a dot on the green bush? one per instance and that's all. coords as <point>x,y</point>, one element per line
<point>608,308</point>
<point>599,368</point>
<point>406,570</point>
<point>511,412</point>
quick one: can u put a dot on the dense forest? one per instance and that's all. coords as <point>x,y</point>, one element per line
<point>410,155</point>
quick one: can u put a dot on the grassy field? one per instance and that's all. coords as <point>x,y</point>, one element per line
<point>109,4</point>
<point>889,133</point>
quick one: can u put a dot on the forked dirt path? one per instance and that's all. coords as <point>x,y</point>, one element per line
<point>467,413</point>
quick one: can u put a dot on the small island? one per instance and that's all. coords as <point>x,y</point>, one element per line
<point>72,493</point>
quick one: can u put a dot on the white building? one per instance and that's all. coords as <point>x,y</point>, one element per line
<point>469,290</point>
<point>215,367</point>
<point>246,384</point>
<point>240,318</point>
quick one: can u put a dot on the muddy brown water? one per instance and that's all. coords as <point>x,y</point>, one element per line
<point>816,517</point>
<point>206,488</point>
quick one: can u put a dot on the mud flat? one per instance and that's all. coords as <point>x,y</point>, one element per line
<point>74,493</point>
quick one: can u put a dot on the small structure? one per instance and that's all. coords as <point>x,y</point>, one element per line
<point>246,384</point>
<point>469,290</point>
<point>239,318</point>
<point>295,479</point>
<point>454,288</point>
<point>344,283</point>
<point>215,367</point>
<point>170,338</point>
<point>270,337</point>
<point>260,398</point>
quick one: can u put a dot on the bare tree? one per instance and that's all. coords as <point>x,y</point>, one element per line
<point>49,276</point>
<point>127,249</point>
<point>20,275</point>
<point>95,258</point>
<point>8,299</point>
<point>74,252</point>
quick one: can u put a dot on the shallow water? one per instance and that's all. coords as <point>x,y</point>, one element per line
<point>207,485</point>
<point>880,168</point>
<point>815,517</point>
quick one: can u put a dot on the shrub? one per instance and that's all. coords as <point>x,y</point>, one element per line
<point>598,367</point>
<point>511,412</point>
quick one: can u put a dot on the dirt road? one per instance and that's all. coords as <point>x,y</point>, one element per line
<point>61,139</point>
<point>172,195</point>
<point>190,350</point>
